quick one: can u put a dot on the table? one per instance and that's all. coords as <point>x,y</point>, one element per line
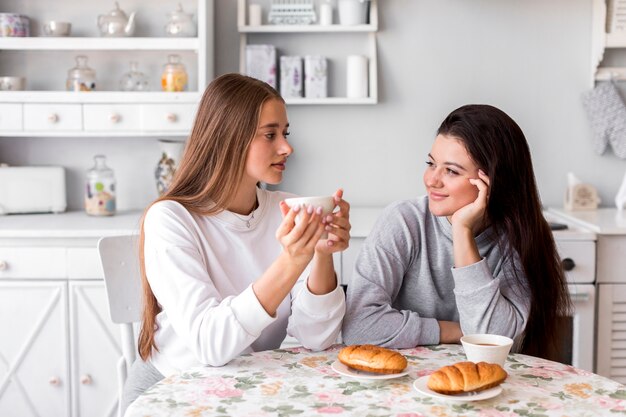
<point>298,382</point>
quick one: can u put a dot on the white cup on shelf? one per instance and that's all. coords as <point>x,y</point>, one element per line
<point>356,76</point>
<point>326,14</point>
<point>254,15</point>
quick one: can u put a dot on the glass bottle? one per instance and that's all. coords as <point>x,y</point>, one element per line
<point>81,77</point>
<point>134,80</point>
<point>174,77</point>
<point>100,189</point>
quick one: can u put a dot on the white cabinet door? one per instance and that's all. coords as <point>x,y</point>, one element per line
<point>95,349</point>
<point>34,362</point>
<point>611,340</point>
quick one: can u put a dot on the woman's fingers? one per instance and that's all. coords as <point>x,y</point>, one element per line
<point>288,220</point>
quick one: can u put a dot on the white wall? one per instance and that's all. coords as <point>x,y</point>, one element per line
<point>531,58</point>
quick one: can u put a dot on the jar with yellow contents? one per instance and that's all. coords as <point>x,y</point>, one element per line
<point>174,77</point>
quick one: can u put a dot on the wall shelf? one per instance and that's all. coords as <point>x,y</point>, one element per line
<point>105,112</point>
<point>369,30</point>
<point>307,28</point>
<point>96,44</point>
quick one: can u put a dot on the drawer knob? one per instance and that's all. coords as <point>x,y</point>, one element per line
<point>54,380</point>
<point>115,118</point>
<point>86,379</point>
<point>171,117</point>
<point>53,118</point>
<point>3,265</point>
<point>568,264</point>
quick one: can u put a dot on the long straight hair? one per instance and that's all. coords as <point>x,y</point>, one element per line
<point>211,168</point>
<point>497,145</point>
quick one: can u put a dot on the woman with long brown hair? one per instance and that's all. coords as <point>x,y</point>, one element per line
<point>473,256</point>
<point>226,267</point>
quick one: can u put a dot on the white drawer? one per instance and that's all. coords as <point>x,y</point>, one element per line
<point>580,256</point>
<point>32,263</point>
<point>10,116</point>
<point>84,263</point>
<point>111,117</point>
<point>168,117</point>
<point>59,117</point>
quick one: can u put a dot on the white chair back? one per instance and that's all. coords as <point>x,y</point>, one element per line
<point>120,262</point>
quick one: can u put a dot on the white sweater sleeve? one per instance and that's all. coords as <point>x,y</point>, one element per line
<point>215,329</point>
<point>315,319</point>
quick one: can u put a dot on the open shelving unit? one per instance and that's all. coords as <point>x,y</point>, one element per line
<point>107,112</point>
<point>369,30</point>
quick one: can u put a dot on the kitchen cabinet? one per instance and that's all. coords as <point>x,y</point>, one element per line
<point>313,39</point>
<point>59,351</point>
<point>46,110</point>
<point>610,227</point>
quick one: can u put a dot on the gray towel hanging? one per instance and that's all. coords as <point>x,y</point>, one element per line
<point>607,114</point>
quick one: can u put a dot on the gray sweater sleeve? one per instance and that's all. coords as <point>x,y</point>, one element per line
<point>490,302</point>
<point>376,281</point>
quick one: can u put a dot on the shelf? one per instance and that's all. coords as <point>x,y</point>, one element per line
<point>307,28</point>
<point>330,100</point>
<point>98,97</point>
<point>610,73</point>
<point>94,44</point>
<point>616,40</point>
<point>368,31</point>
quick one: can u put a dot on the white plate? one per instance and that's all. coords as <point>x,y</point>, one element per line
<point>344,370</point>
<point>421,385</point>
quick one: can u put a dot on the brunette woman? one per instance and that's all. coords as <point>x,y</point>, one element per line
<point>226,268</point>
<point>475,255</point>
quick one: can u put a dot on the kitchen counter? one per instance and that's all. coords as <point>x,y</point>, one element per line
<point>71,224</point>
<point>605,221</point>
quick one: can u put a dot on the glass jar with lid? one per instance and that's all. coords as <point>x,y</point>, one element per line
<point>100,189</point>
<point>174,77</point>
<point>81,77</point>
<point>134,80</point>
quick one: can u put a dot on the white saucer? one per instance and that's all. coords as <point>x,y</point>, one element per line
<point>421,386</point>
<point>344,370</point>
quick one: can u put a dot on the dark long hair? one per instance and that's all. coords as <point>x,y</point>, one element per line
<point>211,167</point>
<point>497,145</point>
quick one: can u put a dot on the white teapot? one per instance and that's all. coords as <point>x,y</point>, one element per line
<point>180,23</point>
<point>116,23</point>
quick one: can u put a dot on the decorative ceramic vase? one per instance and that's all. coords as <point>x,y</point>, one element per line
<point>100,189</point>
<point>171,152</point>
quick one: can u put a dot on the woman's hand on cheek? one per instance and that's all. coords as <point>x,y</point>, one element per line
<point>338,226</point>
<point>299,237</point>
<point>472,215</point>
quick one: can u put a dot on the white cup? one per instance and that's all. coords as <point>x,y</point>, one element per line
<point>353,12</point>
<point>327,203</point>
<point>326,14</point>
<point>490,348</point>
<point>254,15</point>
<point>356,76</point>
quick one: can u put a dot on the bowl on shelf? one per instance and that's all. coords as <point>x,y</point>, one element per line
<point>56,28</point>
<point>10,83</point>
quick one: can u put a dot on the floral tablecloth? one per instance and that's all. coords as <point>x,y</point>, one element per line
<point>298,382</point>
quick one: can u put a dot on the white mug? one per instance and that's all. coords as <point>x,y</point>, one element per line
<point>254,15</point>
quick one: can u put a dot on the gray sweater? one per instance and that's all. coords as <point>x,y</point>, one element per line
<point>404,280</point>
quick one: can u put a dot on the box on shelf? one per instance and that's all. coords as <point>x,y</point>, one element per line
<point>291,76</point>
<point>315,76</point>
<point>261,63</point>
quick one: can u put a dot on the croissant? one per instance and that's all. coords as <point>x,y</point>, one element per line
<point>466,376</point>
<point>372,358</point>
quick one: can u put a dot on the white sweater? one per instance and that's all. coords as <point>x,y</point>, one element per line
<point>201,268</point>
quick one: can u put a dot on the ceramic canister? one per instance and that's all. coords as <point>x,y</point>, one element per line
<point>14,24</point>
